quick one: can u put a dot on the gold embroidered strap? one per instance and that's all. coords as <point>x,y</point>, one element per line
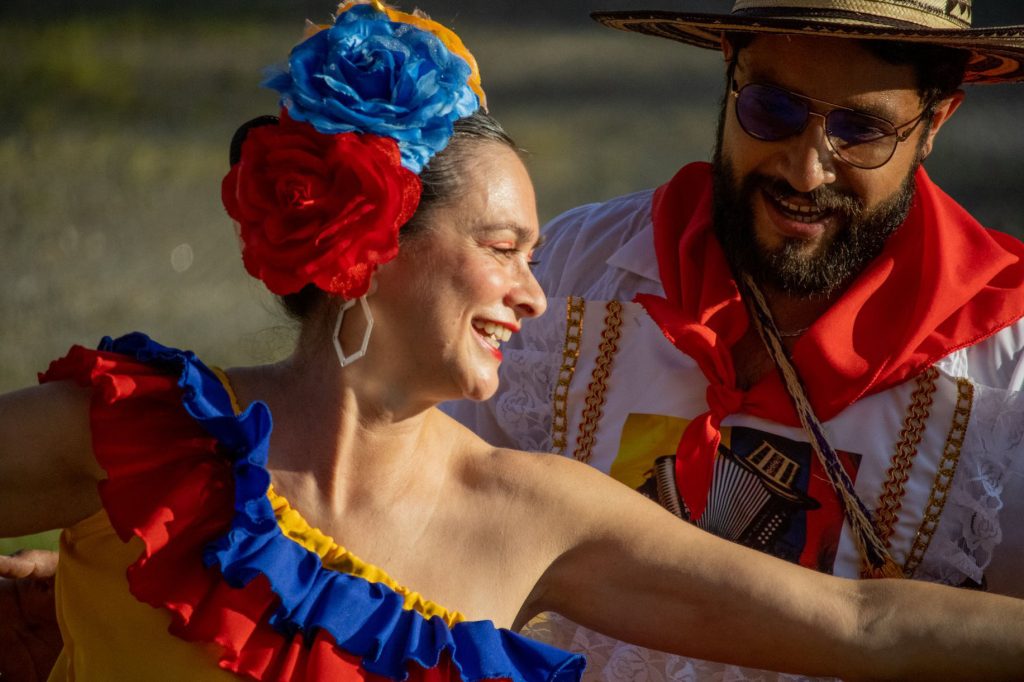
<point>574,309</point>
<point>943,477</point>
<point>594,401</point>
<point>895,485</point>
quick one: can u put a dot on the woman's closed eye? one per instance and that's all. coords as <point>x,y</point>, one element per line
<point>511,251</point>
<point>507,250</point>
<point>510,241</point>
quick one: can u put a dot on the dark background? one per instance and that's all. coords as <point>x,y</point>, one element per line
<point>524,12</point>
<point>115,118</point>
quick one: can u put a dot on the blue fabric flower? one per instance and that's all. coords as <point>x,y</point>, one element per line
<point>368,74</point>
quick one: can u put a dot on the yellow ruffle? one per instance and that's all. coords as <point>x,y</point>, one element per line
<point>333,556</point>
<point>337,558</point>
<point>226,383</point>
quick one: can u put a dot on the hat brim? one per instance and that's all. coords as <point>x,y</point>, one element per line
<point>997,53</point>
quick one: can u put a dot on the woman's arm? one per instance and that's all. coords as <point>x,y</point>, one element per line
<point>635,572</point>
<point>47,471</point>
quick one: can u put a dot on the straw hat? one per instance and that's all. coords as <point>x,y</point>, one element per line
<point>997,52</point>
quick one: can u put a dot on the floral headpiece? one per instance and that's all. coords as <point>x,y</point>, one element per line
<point>366,103</point>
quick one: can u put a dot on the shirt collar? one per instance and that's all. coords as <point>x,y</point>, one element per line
<point>637,255</point>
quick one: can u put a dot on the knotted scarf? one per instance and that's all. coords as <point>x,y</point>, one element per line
<point>941,283</point>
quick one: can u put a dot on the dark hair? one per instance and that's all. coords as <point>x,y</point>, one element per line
<point>939,70</point>
<point>443,180</point>
<point>235,150</point>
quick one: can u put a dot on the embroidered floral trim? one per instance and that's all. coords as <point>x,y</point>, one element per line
<point>521,412</point>
<point>971,528</point>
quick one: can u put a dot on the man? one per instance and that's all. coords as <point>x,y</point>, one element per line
<point>806,346</point>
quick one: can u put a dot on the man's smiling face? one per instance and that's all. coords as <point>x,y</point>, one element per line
<point>790,211</point>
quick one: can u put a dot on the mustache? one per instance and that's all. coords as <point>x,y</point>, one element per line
<point>824,197</point>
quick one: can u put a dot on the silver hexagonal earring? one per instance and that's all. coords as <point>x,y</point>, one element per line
<point>346,360</point>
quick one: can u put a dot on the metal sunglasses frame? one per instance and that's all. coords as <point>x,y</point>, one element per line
<point>896,136</point>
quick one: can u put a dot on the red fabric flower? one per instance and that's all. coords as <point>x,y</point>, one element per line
<point>316,208</point>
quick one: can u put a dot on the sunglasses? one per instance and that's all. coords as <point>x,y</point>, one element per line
<point>770,113</point>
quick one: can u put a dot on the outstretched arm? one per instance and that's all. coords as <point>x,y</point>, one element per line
<point>635,572</point>
<point>47,471</point>
<point>29,637</point>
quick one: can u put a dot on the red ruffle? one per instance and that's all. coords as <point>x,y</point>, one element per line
<point>169,486</point>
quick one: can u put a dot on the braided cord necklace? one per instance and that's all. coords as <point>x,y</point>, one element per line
<point>878,561</point>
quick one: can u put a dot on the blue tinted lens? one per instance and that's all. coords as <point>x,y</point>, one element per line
<point>769,113</point>
<point>849,128</point>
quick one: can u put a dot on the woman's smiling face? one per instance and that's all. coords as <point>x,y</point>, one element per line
<point>462,285</point>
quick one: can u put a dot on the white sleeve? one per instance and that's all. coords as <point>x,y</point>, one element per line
<point>579,245</point>
<point>998,362</point>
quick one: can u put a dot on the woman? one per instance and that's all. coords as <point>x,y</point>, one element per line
<point>223,519</point>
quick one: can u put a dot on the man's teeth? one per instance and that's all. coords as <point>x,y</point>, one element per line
<point>801,213</point>
<point>495,334</point>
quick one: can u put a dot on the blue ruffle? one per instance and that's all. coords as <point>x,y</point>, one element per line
<point>365,619</point>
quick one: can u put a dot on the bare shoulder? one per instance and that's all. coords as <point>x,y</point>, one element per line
<point>52,414</point>
<point>547,471</point>
<point>50,423</point>
<point>48,473</point>
<point>549,485</point>
<point>541,485</point>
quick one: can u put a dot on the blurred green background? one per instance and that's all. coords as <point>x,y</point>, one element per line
<point>115,118</point>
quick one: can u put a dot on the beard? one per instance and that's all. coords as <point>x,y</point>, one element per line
<point>860,237</point>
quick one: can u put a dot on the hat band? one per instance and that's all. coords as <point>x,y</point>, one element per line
<point>947,14</point>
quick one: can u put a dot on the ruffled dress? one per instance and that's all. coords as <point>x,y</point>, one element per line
<point>195,569</point>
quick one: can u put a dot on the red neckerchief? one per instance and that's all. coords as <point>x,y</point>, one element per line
<point>941,283</point>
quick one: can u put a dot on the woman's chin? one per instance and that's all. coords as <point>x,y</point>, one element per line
<point>480,389</point>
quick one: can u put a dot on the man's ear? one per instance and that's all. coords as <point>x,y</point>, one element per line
<point>943,111</point>
<point>728,51</point>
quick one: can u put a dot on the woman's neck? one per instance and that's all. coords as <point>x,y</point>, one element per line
<point>341,436</point>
